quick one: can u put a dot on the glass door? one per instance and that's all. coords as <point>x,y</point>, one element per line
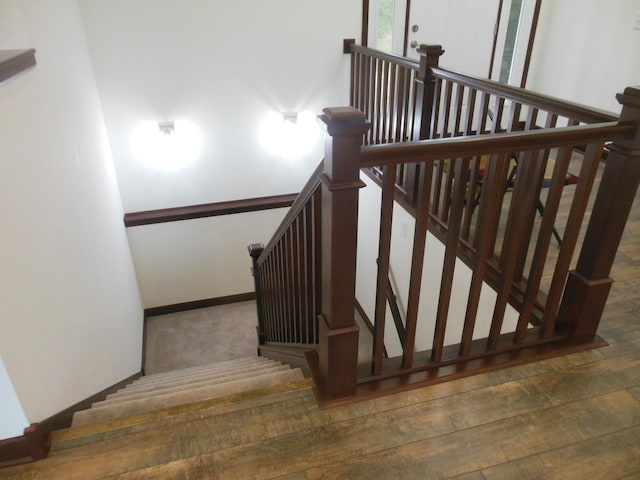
<point>387,25</point>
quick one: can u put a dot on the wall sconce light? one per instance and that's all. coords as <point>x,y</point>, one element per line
<point>290,134</point>
<point>167,145</point>
<point>167,128</point>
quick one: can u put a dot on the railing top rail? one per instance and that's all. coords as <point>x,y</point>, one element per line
<point>389,57</point>
<point>299,203</point>
<point>573,110</point>
<point>469,146</point>
<point>543,102</point>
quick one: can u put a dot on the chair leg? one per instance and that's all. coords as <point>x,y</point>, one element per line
<point>540,208</point>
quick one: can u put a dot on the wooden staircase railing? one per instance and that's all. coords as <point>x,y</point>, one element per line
<point>430,130</point>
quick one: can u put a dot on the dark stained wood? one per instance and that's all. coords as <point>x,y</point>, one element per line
<point>495,39</point>
<point>384,250</point>
<point>417,261</point>
<point>32,445</point>
<point>488,217</point>
<point>338,346</point>
<point>255,250</point>
<point>576,214</point>
<point>429,150</point>
<point>530,42</point>
<point>174,214</point>
<point>14,451</point>
<point>364,35</point>
<point>450,256</point>
<point>14,62</point>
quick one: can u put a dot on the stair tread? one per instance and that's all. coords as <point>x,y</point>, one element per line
<point>205,367</point>
<point>186,379</point>
<point>107,412</point>
<point>229,404</point>
<point>200,382</point>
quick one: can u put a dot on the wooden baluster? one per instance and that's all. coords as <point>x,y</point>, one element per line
<point>279,293</point>
<point>305,260</point>
<point>537,179</point>
<point>384,250</point>
<point>393,69</point>
<point>497,115</point>
<point>544,241</point>
<point>513,238</point>
<point>457,114</point>
<point>426,98</point>
<point>483,118</point>
<point>589,284</point>
<point>384,132</point>
<point>255,250</point>
<point>317,262</point>
<point>488,218</point>
<point>401,100</point>
<point>450,254</point>
<point>417,261</point>
<point>588,171</point>
<point>296,292</point>
<point>271,325</point>
<point>379,108</point>
<point>446,108</point>
<point>338,347</point>
<point>471,107</point>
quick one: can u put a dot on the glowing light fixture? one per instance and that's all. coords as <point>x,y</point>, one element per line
<point>289,135</point>
<point>167,145</point>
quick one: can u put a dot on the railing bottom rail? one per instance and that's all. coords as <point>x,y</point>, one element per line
<point>394,380</point>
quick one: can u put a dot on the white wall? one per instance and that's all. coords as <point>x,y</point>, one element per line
<point>224,65</point>
<point>211,266</point>
<point>400,266</point>
<point>71,318</point>
<point>586,51</point>
<point>13,421</point>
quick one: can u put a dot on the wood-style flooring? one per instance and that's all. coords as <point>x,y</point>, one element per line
<point>570,417</point>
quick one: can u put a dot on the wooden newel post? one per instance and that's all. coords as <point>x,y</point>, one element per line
<point>589,284</point>
<point>422,117</point>
<point>425,91</point>
<point>338,335</point>
<point>255,250</point>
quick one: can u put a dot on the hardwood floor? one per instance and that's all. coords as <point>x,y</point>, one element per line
<point>570,417</point>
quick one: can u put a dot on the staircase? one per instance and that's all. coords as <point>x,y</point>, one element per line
<point>188,386</point>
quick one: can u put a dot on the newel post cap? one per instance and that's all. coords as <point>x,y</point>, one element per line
<point>630,97</point>
<point>431,54</point>
<point>344,121</point>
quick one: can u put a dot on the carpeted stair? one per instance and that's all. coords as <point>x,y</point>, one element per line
<point>188,386</point>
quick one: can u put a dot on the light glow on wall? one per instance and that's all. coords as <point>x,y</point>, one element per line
<point>289,135</point>
<point>167,145</point>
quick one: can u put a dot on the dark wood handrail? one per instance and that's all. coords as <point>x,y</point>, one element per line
<point>437,149</point>
<point>389,57</point>
<point>301,200</point>
<point>205,210</point>
<point>545,102</point>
